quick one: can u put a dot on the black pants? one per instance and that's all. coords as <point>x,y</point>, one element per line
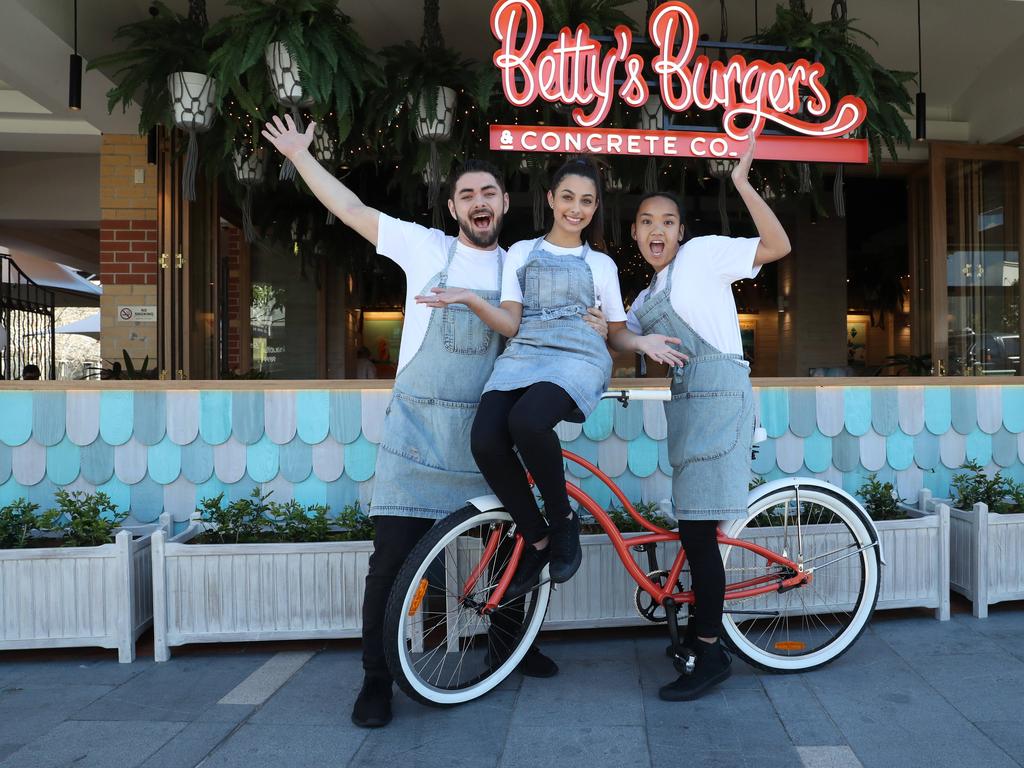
<point>707,577</point>
<point>524,419</point>
<point>393,539</point>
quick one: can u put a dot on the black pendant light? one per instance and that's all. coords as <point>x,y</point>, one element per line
<point>921,117</point>
<point>75,73</point>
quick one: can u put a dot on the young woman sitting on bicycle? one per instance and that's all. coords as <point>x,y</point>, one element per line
<point>554,368</point>
<point>710,416</point>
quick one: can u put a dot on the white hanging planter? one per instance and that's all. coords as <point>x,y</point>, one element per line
<point>192,98</point>
<point>285,76</point>
<point>439,125</point>
<point>249,168</point>
<point>324,146</point>
<point>652,115</point>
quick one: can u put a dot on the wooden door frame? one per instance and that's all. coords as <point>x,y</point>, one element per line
<point>939,152</point>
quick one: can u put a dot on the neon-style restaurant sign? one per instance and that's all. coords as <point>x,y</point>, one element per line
<point>575,70</point>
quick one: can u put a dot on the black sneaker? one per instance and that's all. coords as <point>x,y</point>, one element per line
<point>373,705</point>
<point>528,571</point>
<point>702,668</point>
<point>536,664</point>
<point>566,554</point>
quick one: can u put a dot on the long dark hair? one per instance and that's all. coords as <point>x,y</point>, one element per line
<point>593,233</point>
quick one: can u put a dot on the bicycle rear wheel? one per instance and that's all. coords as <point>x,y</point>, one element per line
<point>439,648</point>
<point>812,624</point>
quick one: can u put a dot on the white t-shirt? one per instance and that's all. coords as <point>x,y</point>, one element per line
<point>706,268</point>
<point>606,276</point>
<point>422,253</point>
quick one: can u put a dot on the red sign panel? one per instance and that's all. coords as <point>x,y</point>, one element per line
<point>576,70</point>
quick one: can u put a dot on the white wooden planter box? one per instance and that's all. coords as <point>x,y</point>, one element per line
<point>917,552</point>
<point>69,597</point>
<point>986,556</point>
<point>214,593</point>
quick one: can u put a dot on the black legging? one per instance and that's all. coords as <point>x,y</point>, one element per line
<point>707,577</point>
<point>524,419</point>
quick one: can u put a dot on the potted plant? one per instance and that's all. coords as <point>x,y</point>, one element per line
<point>921,535</point>
<point>165,66</point>
<point>850,69</point>
<point>268,570</point>
<point>305,53</point>
<point>986,537</point>
<point>73,576</point>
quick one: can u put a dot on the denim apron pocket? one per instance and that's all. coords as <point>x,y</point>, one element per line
<point>464,333</point>
<point>712,426</point>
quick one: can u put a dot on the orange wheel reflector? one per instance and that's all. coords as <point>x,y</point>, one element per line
<point>421,590</point>
<point>790,645</point>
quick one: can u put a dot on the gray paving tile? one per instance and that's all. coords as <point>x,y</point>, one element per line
<point>189,746</point>
<point>806,723</point>
<point>828,757</point>
<point>321,693</point>
<point>47,671</point>
<point>907,635</point>
<point>469,735</point>
<point>597,683</point>
<point>683,754</point>
<point>571,746</point>
<point>30,711</point>
<point>94,745</point>
<point>1006,733</point>
<point>267,745</point>
<point>177,690</point>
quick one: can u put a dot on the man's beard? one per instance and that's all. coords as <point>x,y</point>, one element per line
<point>481,240</point>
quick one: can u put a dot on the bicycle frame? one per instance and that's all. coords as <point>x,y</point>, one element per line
<point>769,582</point>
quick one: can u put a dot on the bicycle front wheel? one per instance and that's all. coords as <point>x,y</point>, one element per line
<point>809,625</point>
<point>440,647</point>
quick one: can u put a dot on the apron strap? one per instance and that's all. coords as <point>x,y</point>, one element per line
<point>442,281</point>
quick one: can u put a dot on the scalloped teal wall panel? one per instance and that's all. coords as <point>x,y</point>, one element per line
<point>215,409</point>
<point>48,415</point>
<point>857,404</point>
<point>63,462</point>
<point>197,461</point>
<point>164,461</point>
<point>803,411</point>
<point>16,425</point>
<point>346,416</point>
<point>223,440</point>
<point>885,417</point>
<point>82,417</point>
<point>963,409</point>
<point>116,416</point>
<point>598,425</point>
<point>312,415</point>
<point>150,414</point>
<point>247,417</point>
<point>296,459</point>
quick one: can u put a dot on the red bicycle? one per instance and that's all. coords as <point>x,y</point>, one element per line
<point>802,580</point>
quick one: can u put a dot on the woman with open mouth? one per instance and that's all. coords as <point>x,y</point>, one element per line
<point>555,368</point>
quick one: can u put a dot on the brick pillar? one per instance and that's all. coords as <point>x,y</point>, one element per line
<point>128,246</point>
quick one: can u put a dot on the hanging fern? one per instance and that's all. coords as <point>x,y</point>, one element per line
<point>602,16</point>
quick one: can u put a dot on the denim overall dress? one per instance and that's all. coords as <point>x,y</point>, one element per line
<point>425,467</point>
<point>710,418</point>
<point>554,343</point>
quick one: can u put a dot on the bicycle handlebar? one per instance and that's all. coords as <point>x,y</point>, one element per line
<point>625,395</point>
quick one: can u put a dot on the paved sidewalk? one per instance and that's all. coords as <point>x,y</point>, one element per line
<point>912,692</point>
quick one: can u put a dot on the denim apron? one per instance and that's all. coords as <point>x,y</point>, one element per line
<point>710,417</point>
<point>554,343</point>
<point>424,466</point>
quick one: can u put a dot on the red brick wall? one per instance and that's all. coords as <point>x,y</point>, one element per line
<point>233,309</point>
<point>128,252</point>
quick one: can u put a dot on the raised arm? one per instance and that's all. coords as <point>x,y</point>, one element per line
<point>336,197</point>
<point>774,240</point>
<point>504,319</point>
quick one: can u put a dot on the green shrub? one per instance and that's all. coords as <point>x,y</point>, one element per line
<point>293,522</point>
<point>17,520</point>
<point>880,499</point>
<point>357,525</point>
<point>1000,493</point>
<point>241,522</point>
<point>83,519</point>
<point>254,519</point>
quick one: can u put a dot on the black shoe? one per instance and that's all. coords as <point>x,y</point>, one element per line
<point>566,554</point>
<point>373,705</point>
<point>528,571</point>
<point>702,668</point>
<point>536,664</point>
